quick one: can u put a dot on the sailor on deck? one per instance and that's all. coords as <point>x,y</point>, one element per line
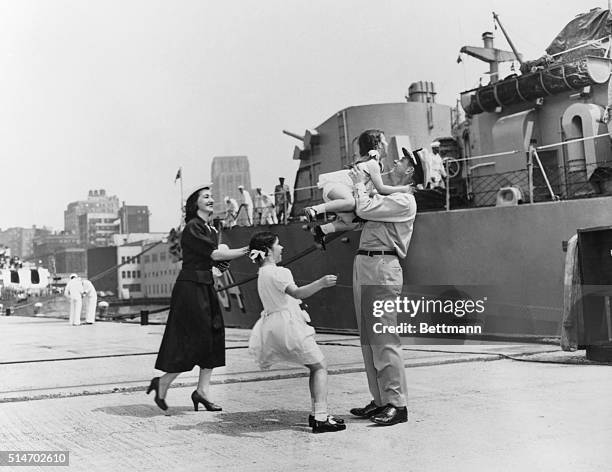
<point>74,293</point>
<point>437,173</point>
<point>231,212</point>
<point>91,302</point>
<point>246,207</point>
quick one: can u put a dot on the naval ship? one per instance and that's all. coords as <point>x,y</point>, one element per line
<point>529,164</point>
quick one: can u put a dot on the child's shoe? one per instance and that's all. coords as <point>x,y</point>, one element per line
<point>310,214</point>
<point>319,237</point>
<point>327,426</point>
<point>311,420</point>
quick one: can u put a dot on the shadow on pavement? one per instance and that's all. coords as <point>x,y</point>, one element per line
<point>142,410</point>
<point>251,423</point>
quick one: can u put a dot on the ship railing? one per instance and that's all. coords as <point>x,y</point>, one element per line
<point>540,178</point>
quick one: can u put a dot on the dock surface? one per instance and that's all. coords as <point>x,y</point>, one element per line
<point>472,407</point>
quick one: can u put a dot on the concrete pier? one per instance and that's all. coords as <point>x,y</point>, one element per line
<point>472,407</point>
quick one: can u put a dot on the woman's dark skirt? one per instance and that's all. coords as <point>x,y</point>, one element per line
<point>195,334</point>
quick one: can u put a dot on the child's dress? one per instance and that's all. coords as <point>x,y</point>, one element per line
<point>327,182</point>
<point>281,333</point>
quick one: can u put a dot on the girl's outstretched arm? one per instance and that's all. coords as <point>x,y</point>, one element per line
<point>312,288</point>
<point>374,171</point>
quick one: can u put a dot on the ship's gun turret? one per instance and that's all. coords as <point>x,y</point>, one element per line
<point>293,135</point>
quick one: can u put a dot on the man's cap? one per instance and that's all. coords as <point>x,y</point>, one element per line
<point>240,187</point>
<point>435,144</point>
<point>419,172</point>
<point>73,276</point>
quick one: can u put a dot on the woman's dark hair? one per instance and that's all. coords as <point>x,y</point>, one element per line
<point>262,241</point>
<point>369,140</point>
<point>191,205</point>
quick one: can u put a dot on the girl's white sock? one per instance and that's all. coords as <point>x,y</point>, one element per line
<point>320,411</point>
<point>328,228</point>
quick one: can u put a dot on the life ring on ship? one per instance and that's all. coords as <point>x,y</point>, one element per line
<point>453,167</point>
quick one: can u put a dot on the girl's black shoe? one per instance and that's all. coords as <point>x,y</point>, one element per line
<point>327,426</point>
<point>310,214</point>
<point>319,237</point>
<point>154,385</point>
<point>197,398</point>
<point>311,420</point>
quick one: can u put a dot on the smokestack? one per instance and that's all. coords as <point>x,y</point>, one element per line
<point>424,92</point>
<point>487,39</point>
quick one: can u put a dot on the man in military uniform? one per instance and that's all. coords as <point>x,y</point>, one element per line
<point>282,200</point>
<point>377,274</point>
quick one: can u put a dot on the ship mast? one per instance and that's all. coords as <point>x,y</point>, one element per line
<point>489,54</point>
<point>518,56</point>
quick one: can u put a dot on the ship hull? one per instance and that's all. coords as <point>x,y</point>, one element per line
<point>515,254</point>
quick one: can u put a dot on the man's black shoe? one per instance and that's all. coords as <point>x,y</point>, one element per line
<point>327,426</point>
<point>311,420</point>
<point>319,237</point>
<point>367,411</point>
<point>391,415</point>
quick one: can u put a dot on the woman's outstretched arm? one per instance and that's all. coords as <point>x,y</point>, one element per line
<point>229,254</point>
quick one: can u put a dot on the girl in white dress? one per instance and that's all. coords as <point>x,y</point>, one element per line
<point>337,187</point>
<point>282,334</point>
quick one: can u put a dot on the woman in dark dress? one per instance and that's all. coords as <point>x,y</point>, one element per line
<point>194,332</point>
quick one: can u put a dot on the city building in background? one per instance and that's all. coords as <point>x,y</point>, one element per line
<point>97,202</point>
<point>159,271</point>
<point>120,239</point>
<point>227,173</point>
<point>48,244</point>
<point>21,240</point>
<point>129,272</point>
<point>102,265</point>
<point>134,218</point>
<point>97,229</point>
<point>69,261</point>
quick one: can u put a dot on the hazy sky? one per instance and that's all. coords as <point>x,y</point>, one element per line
<point>117,94</point>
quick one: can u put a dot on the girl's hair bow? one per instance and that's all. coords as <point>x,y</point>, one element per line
<point>255,254</point>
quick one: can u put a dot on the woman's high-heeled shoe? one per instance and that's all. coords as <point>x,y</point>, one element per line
<point>197,398</point>
<point>154,385</point>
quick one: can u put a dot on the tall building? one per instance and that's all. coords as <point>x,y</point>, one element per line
<point>97,229</point>
<point>228,172</point>
<point>134,218</point>
<point>97,202</point>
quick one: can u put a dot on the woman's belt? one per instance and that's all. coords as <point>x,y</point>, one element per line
<point>364,252</point>
<point>197,276</point>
